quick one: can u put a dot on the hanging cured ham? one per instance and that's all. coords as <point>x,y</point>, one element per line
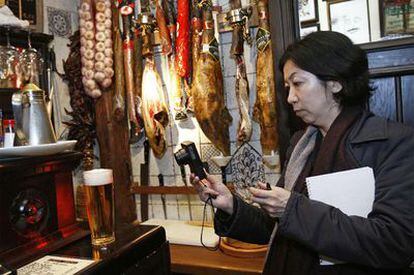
<point>154,110</point>
<point>207,89</point>
<point>265,107</point>
<point>175,91</point>
<point>238,18</point>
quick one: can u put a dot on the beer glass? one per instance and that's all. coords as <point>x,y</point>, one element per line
<point>99,192</point>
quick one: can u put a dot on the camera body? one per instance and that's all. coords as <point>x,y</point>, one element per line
<point>188,154</point>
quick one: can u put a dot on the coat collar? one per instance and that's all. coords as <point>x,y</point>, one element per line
<point>369,128</point>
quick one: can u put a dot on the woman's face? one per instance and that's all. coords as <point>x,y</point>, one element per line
<point>312,99</point>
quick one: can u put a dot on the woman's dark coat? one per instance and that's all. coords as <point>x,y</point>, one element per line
<point>383,243</point>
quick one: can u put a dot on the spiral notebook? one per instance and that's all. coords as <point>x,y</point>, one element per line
<point>352,191</point>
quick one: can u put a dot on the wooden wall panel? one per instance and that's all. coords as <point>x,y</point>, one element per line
<point>407,86</point>
<point>383,100</point>
<point>395,57</point>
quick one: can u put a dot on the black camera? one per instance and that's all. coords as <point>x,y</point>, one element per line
<point>188,154</point>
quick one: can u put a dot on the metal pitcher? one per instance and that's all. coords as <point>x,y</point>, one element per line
<point>33,125</point>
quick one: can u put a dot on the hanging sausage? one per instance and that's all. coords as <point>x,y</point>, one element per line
<point>207,88</point>
<point>118,106</point>
<point>136,131</point>
<point>265,106</point>
<point>182,47</point>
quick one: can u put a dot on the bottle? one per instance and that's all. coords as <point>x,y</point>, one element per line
<point>8,133</point>
<point>1,129</point>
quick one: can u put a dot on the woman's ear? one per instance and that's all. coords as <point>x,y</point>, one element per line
<point>334,86</point>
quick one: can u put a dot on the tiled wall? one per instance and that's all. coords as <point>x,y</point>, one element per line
<point>54,13</point>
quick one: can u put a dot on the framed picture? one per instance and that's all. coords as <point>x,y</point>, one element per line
<point>350,17</point>
<point>409,18</point>
<point>308,11</point>
<point>30,10</point>
<point>396,17</point>
<point>305,30</point>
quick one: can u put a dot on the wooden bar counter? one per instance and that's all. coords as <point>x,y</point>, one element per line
<point>198,260</point>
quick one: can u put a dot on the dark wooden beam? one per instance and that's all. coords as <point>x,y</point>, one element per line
<point>170,190</point>
<point>113,138</point>
<point>115,154</point>
<point>284,28</point>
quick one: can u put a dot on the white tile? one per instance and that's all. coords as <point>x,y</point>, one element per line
<point>235,125</point>
<point>184,212</point>
<point>138,209</point>
<point>225,38</point>
<point>151,212</point>
<point>169,180</point>
<point>256,145</point>
<point>75,21</point>
<point>230,91</point>
<point>157,211</point>
<point>137,157</point>
<point>256,129</point>
<point>163,165</point>
<point>250,54</point>
<point>178,178</point>
<point>252,88</point>
<point>228,63</point>
<point>197,211</point>
<point>171,207</point>
<point>137,199</point>
<point>185,130</point>
<point>61,4</point>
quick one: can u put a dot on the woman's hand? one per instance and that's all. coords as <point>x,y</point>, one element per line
<point>222,198</point>
<point>273,201</point>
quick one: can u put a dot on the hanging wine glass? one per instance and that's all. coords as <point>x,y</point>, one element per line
<point>11,55</point>
<point>3,67</point>
<point>31,63</point>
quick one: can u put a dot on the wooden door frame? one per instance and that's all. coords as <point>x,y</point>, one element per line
<point>284,27</point>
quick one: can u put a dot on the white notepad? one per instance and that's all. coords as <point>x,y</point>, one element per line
<point>352,191</point>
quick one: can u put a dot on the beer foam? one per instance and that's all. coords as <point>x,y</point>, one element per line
<point>98,177</point>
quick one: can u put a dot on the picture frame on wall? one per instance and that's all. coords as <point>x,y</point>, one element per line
<point>308,11</point>
<point>350,17</point>
<point>307,29</point>
<point>409,18</point>
<point>30,10</point>
<point>396,17</point>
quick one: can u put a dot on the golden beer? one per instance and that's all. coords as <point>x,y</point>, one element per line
<point>100,205</point>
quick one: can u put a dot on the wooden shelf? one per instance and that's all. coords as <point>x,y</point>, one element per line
<point>150,190</point>
<point>19,36</point>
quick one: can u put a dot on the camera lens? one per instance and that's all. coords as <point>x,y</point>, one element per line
<point>181,157</point>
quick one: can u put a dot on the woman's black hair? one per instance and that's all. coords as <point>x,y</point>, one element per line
<point>332,56</point>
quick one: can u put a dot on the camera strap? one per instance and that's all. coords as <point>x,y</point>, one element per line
<point>209,201</point>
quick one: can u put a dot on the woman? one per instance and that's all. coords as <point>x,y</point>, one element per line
<point>328,82</point>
